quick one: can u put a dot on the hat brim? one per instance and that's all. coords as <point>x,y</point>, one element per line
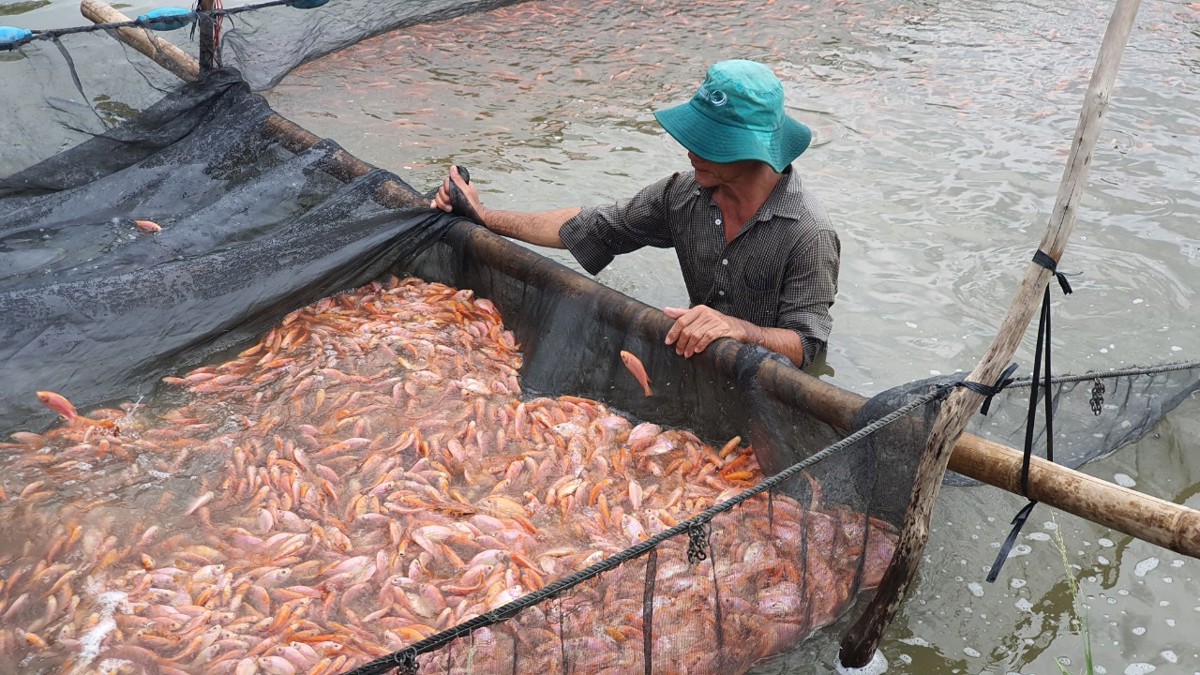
<point>722,143</point>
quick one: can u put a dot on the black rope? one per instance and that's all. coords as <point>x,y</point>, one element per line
<point>385,663</point>
<point>1042,258</point>
<point>989,392</point>
<point>75,78</point>
<point>1043,343</point>
<point>648,611</point>
<point>1110,374</point>
<point>562,641</point>
<point>53,33</point>
<point>719,620</point>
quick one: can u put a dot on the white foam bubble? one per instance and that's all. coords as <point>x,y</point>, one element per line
<point>89,642</point>
<point>974,653</point>
<point>1038,536</point>
<point>876,666</point>
<point>1024,605</point>
<point>1169,656</point>
<point>1145,566</point>
<point>976,589</point>
<point>1124,480</point>
<point>1139,668</point>
<point>1138,630</point>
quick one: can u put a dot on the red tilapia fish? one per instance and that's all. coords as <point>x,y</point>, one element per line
<point>368,474</point>
<point>59,404</point>
<point>634,364</point>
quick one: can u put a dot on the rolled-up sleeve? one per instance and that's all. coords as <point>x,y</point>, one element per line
<point>809,289</point>
<point>598,234</point>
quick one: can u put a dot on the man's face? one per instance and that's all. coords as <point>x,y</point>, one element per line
<point>712,174</point>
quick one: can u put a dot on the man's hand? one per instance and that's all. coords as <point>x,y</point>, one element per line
<point>473,209</point>
<point>697,327</point>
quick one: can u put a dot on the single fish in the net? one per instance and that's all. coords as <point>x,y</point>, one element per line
<point>59,404</point>
<point>634,364</point>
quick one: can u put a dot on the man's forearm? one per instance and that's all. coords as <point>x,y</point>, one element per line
<point>782,340</point>
<point>539,228</point>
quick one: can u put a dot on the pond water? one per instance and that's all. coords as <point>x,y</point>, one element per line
<point>941,131</point>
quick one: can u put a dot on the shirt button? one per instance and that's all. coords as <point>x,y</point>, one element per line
<point>725,262</point>
<point>721,293</point>
<point>718,221</point>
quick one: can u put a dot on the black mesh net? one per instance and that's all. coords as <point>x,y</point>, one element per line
<point>270,413</point>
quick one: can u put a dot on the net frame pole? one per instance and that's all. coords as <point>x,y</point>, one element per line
<point>859,644</point>
<point>157,49</point>
<point>207,35</point>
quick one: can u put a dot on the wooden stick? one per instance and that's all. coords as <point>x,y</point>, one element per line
<point>207,33</point>
<point>860,642</point>
<point>1158,521</point>
<point>159,50</point>
<point>341,165</point>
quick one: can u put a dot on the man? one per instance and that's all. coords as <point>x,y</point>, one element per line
<point>758,255</point>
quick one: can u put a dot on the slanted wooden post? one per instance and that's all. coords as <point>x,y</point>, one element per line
<point>164,53</point>
<point>860,642</point>
<point>207,36</point>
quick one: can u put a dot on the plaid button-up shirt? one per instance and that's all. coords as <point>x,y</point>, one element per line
<point>780,271</point>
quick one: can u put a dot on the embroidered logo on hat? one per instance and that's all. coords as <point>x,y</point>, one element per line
<point>715,96</point>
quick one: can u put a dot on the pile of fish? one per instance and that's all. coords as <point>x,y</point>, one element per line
<point>368,475</point>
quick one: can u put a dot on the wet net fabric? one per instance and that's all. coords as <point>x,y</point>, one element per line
<point>64,91</point>
<point>1094,413</point>
<point>99,307</point>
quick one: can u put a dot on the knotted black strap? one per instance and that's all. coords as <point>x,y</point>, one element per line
<point>988,392</point>
<point>1042,258</point>
<point>1043,342</point>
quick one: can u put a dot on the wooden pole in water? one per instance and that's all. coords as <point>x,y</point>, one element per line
<point>207,36</point>
<point>861,641</point>
<point>159,50</point>
<point>341,165</point>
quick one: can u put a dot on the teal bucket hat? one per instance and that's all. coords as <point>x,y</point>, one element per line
<point>737,114</point>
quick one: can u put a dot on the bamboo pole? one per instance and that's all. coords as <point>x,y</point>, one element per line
<point>207,36</point>
<point>860,642</point>
<point>159,50</point>
<point>341,164</point>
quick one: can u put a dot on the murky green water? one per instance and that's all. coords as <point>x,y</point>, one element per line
<point>941,133</point>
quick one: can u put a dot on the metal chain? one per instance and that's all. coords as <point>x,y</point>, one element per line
<point>1097,400</point>
<point>697,550</point>
<point>406,663</point>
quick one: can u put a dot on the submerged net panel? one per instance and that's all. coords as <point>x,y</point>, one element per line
<point>1093,414</point>
<point>63,91</point>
